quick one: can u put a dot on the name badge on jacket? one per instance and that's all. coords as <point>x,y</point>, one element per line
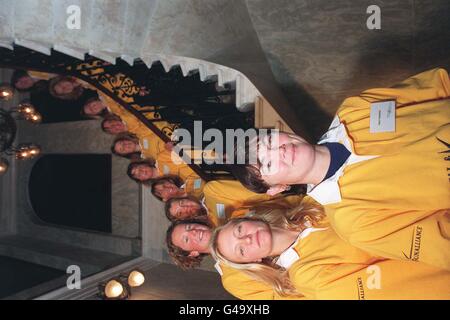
<point>382,116</point>
<point>220,207</point>
<point>145,143</point>
<point>197,183</point>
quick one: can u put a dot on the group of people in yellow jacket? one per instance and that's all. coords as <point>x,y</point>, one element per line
<point>375,220</point>
<point>373,224</point>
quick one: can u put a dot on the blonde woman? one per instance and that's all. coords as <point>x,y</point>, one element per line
<point>297,254</point>
<point>187,245</point>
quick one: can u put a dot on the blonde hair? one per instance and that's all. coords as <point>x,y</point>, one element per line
<point>297,219</point>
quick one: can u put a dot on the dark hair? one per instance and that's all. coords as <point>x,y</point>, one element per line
<point>179,256</point>
<point>109,117</point>
<point>247,173</point>
<point>167,178</point>
<point>17,74</point>
<point>38,86</point>
<point>250,176</point>
<point>103,114</point>
<point>74,95</point>
<point>134,164</point>
<point>201,213</point>
<point>125,137</point>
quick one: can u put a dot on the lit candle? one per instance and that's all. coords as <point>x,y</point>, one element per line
<point>6,92</point>
<point>136,279</point>
<point>113,289</point>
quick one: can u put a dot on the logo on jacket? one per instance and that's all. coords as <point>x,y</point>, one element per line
<point>447,158</point>
<point>360,288</point>
<point>414,251</point>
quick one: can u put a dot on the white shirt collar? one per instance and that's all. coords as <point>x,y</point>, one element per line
<point>290,255</point>
<point>327,192</point>
<point>203,202</point>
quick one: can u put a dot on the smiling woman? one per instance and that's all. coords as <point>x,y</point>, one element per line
<point>126,145</point>
<point>246,241</point>
<point>297,253</point>
<point>187,242</point>
<point>184,208</point>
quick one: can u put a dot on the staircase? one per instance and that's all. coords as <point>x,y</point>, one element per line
<point>58,255</point>
<point>215,38</point>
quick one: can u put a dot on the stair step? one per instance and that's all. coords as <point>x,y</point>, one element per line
<point>65,37</point>
<point>56,255</point>
<point>27,26</point>
<point>138,16</point>
<point>106,28</point>
<point>7,20</point>
<point>126,29</point>
<point>70,51</point>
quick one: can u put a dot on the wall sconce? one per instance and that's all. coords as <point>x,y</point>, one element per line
<point>3,166</point>
<point>28,111</point>
<point>27,151</point>
<point>119,288</point>
<point>8,129</point>
<point>114,289</point>
<point>6,91</point>
<point>135,278</point>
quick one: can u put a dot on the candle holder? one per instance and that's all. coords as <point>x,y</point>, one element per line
<point>119,288</point>
<point>6,91</point>
<point>27,151</point>
<point>28,112</point>
<point>8,130</point>
<point>134,278</point>
<point>114,289</point>
<point>4,164</point>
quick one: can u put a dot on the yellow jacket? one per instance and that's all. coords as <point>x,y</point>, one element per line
<point>244,287</point>
<point>330,268</point>
<point>151,144</point>
<point>395,202</point>
<point>193,186</point>
<point>167,165</point>
<point>226,199</point>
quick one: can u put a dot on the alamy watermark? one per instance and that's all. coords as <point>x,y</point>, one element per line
<point>74,279</point>
<point>236,146</point>
<point>374,20</point>
<point>73,21</point>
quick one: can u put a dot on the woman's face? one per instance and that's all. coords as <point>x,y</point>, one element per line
<point>192,237</point>
<point>24,83</point>
<point>94,107</point>
<point>184,208</point>
<point>245,241</point>
<point>65,87</point>
<point>125,147</point>
<point>115,126</point>
<point>143,172</point>
<point>167,190</point>
<point>284,158</point>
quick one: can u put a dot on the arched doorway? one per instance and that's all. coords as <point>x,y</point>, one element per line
<point>73,190</point>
